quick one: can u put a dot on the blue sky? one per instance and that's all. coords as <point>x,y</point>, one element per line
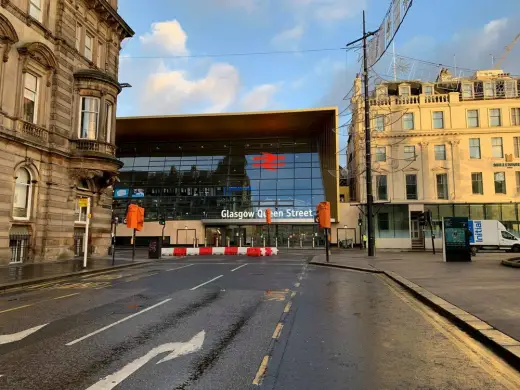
<point>465,32</point>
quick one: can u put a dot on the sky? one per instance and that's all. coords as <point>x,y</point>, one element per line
<point>180,61</point>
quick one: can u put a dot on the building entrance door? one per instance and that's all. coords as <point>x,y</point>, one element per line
<point>416,232</point>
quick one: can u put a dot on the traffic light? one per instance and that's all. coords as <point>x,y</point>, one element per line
<point>162,220</point>
<point>323,215</point>
<point>268,216</point>
<point>422,219</point>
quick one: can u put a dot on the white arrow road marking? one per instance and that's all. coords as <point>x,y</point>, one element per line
<point>116,323</point>
<point>176,349</point>
<point>10,338</point>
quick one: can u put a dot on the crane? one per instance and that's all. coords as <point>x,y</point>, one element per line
<point>506,52</point>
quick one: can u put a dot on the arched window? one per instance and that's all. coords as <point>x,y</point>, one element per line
<point>22,194</point>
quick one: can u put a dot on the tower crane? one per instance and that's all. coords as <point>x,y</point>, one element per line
<point>506,52</point>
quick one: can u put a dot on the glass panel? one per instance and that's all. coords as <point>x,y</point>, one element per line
<point>497,148</point>
<point>476,211</point>
<point>495,117</point>
<point>461,210</point>
<point>493,211</point>
<point>438,120</point>
<point>476,183</point>
<point>474,148</point>
<point>473,118</point>
<point>509,212</point>
<point>440,152</point>
<point>500,183</point>
<point>409,152</point>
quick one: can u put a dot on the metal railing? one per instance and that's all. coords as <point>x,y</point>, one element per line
<point>19,244</point>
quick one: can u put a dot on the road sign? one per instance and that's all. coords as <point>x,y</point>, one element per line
<point>269,161</point>
<point>83,202</point>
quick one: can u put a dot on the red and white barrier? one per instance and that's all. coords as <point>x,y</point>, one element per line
<point>228,251</point>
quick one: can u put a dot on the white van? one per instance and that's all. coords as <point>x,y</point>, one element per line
<point>491,234</point>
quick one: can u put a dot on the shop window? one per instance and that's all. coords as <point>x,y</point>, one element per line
<point>383,221</point>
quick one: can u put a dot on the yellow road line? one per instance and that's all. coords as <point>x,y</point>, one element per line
<point>261,371</point>
<point>15,308</point>
<point>65,296</point>
<point>287,307</point>
<point>277,330</point>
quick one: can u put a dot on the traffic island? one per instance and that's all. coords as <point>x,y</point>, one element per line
<point>513,263</point>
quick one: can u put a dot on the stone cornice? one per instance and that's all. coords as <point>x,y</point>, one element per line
<point>111,17</point>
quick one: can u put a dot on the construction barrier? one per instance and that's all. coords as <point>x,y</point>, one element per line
<point>228,250</point>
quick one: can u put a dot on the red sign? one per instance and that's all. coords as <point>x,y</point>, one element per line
<point>269,161</point>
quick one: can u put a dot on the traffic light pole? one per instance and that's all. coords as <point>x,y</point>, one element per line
<point>327,246</point>
<point>368,151</point>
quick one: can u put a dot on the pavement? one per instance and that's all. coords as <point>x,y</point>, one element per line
<point>20,274</point>
<point>483,288</point>
<point>235,323</point>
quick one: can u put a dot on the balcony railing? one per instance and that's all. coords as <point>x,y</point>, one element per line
<point>441,98</point>
<point>33,131</point>
<point>83,145</point>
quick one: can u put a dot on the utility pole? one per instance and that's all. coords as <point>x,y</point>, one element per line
<point>368,152</point>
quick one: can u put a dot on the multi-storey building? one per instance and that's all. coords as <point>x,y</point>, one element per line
<point>58,95</point>
<point>451,146</point>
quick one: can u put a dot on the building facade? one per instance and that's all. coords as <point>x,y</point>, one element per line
<point>211,177</point>
<point>58,97</point>
<point>451,147</point>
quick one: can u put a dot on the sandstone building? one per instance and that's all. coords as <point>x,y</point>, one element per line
<point>58,96</point>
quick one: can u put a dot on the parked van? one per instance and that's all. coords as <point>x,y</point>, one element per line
<point>491,234</point>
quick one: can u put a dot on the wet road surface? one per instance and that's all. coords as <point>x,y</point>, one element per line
<point>234,323</point>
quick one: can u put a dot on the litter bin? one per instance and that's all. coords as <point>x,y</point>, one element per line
<point>154,248</point>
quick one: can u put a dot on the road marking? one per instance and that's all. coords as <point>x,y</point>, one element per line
<point>10,338</point>
<point>261,371</point>
<point>287,307</point>
<point>243,265</point>
<point>293,294</point>
<point>297,284</point>
<point>14,308</point>
<point>175,269</point>
<point>65,296</point>
<point>277,330</point>
<point>203,284</point>
<point>117,322</point>
<point>175,349</point>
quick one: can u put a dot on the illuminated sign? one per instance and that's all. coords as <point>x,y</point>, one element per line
<point>269,161</point>
<point>121,193</point>
<point>287,213</point>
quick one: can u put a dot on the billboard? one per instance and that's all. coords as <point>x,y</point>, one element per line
<point>121,193</point>
<point>383,37</point>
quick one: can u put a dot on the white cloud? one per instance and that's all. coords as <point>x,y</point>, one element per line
<point>174,91</point>
<point>290,37</point>
<point>168,35</point>
<point>259,98</point>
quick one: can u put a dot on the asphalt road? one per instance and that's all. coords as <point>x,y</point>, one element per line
<point>234,323</point>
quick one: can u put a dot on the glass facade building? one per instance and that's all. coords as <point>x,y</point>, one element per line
<point>223,179</point>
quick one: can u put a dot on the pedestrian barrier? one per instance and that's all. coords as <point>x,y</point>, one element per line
<point>228,250</point>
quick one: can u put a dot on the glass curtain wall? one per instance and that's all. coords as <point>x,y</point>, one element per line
<point>201,180</point>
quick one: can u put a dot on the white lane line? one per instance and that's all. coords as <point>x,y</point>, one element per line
<point>117,322</point>
<point>203,284</point>
<point>243,265</point>
<point>10,338</point>
<point>175,269</point>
